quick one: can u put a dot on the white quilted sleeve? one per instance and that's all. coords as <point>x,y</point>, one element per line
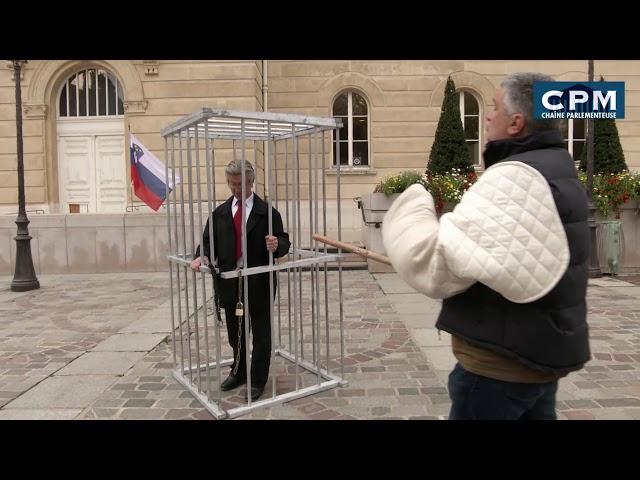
<point>410,234</point>
<point>505,233</point>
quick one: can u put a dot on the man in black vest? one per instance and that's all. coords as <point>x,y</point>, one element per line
<point>228,255</point>
<point>510,263</point>
<point>511,355</point>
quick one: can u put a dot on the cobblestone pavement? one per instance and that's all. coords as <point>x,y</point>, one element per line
<point>43,331</point>
<point>609,386</point>
<point>387,374</point>
<point>99,346</point>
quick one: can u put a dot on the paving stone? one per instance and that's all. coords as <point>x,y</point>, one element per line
<point>130,342</point>
<point>139,402</point>
<point>351,393</point>
<point>68,392</point>
<point>325,415</point>
<point>181,414</point>
<point>172,404</point>
<point>101,363</point>
<point>579,415</point>
<point>100,414</point>
<point>152,386</point>
<point>35,414</point>
<point>334,402</point>
<point>108,403</point>
<point>143,413</point>
<point>581,404</point>
<point>619,402</point>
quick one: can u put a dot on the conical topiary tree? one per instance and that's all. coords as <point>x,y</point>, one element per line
<point>608,156</point>
<point>449,148</point>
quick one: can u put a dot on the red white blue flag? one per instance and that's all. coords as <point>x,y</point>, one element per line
<point>148,175</point>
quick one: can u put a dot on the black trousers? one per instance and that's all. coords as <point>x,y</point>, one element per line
<point>261,345</point>
<point>475,397</point>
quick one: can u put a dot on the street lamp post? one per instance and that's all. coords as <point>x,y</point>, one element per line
<point>594,263</point>
<point>24,278</point>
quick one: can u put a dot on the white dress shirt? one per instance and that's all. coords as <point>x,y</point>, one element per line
<point>248,203</point>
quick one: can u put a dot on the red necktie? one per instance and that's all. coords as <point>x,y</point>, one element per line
<point>237,222</point>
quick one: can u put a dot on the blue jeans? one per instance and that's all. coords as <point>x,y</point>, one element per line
<point>475,397</point>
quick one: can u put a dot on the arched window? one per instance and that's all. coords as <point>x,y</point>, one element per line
<point>574,134</point>
<point>91,93</point>
<point>472,123</point>
<point>351,107</point>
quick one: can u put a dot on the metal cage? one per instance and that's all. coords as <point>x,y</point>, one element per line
<point>306,334</point>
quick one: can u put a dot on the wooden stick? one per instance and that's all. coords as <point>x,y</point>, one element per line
<point>350,248</point>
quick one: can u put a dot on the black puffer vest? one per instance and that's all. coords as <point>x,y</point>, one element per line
<point>550,334</point>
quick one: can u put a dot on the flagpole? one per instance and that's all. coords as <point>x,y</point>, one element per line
<point>130,178</point>
<point>594,262</point>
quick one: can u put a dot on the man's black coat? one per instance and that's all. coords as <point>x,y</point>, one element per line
<point>257,254</point>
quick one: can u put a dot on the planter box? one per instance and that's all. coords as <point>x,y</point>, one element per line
<point>374,207</point>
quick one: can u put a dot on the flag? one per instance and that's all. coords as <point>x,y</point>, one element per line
<point>148,175</point>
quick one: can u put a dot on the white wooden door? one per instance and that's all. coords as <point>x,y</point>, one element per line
<point>77,174</point>
<point>111,195</point>
<point>92,166</point>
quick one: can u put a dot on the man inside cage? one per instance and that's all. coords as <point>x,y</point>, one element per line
<point>228,256</point>
<point>510,262</point>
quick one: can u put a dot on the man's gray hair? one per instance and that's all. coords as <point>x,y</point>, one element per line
<point>518,98</point>
<point>235,168</point>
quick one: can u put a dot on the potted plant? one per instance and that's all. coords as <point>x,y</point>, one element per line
<point>449,150</point>
<point>616,197</point>
<point>375,205</point>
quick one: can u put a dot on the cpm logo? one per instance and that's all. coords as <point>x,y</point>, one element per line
<point>578,100</point>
